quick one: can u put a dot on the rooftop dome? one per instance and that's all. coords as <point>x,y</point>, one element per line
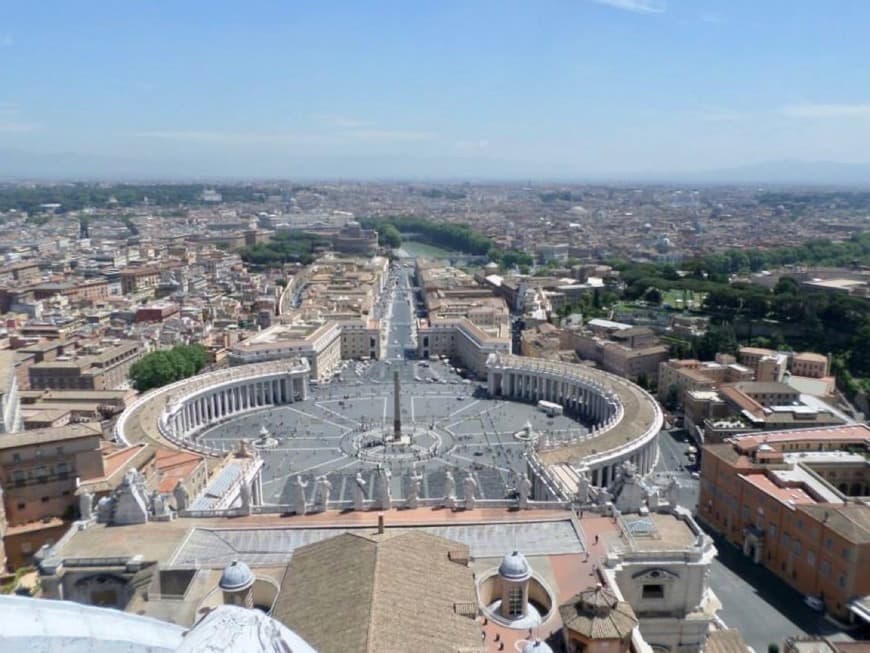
<point>237,576</point>
<point>514,566</point>
<point>237,630</point>
<point>537,647</point>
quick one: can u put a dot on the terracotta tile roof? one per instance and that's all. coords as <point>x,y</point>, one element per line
<point>384,593</point>
<point>173,466</point>
<point>851,521</point>
<point>725,641</point>
<point>786,494</point>
<point>850,433</point>
<point>596,613</point>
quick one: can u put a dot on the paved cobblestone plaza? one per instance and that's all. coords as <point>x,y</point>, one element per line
<point>338,432</point>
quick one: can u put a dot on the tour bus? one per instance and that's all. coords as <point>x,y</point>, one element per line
<point>549,407</point>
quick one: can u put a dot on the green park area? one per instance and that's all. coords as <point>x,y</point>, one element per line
<point>684,299</point>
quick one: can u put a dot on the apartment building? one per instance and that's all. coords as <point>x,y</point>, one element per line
<point>691,374</point>
<point>770,365</point>
<point>103,366</point>
<point>630,352</point>
<point>466,321</point>
<point>796,502</point>
<point>461,339</point>
<point>139,279</point>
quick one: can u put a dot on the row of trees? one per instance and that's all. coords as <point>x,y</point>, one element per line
<point>166,366</point>
<point>457,237</point>
<point>789,315</point>
<point>289,247</point>
<point>73,197</point>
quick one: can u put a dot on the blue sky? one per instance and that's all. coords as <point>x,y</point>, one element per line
<point>433,89</point>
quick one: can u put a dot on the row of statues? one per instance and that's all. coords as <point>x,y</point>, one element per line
<point>382,493</point>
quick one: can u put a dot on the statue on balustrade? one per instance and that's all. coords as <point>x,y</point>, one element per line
<point>298,488</point>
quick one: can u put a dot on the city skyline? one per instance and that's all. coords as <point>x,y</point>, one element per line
<point>594,90</point>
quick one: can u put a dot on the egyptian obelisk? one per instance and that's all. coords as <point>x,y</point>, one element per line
<point>397,415</point>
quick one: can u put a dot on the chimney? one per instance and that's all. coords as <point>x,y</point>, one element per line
<point>380,523</point>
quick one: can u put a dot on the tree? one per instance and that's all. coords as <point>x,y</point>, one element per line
<point>786,286</point>
<point>390,236</point>
<point>161,367</point>
<point>653,296</point>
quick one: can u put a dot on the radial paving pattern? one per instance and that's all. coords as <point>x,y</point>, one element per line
<point>338,432</point>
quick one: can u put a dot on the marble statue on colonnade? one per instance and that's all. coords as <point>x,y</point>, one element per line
<point>322,489</point>
<point>384,491</point>
<point>469,488</point>
<point>449,490</point>
<point>359,492</point>
<point>245,496</point>
<point>86,505</point>
<point>524,488</point>
<point>298,495</point>
<point>412,488</point>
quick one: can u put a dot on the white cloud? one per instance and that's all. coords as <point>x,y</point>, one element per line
<point>388,135</point>
<point>229,137</point>
<point>16,127</point>
<point>343,122</point>
<point>717,114</point>
<point>636,6</point>
<point>287,138</point>
<point>823,111</point>
<point>470,146</point>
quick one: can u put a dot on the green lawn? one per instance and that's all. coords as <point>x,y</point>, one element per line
<point>683,299</point>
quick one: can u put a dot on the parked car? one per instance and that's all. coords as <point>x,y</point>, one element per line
<point>815,603</point>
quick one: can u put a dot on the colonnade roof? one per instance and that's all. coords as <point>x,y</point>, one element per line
<point>641,412</point>
<point>140,421</point>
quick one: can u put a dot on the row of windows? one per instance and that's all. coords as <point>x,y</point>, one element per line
<point>21,505</point>
<point>16,457</point>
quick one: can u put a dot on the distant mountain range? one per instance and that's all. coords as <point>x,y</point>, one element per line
<point>19,164</point>
<point>823,173</point>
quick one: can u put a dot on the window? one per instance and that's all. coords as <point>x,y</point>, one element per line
<point>653,592</point>
<point>811,559</point>
<point>825,568</point>
<point>16,458</point>
<point>772,531</point>
<point>842,581</point>
<point>797,547</point>
<point>515,602</point>
<point>21,506</point>
<point>44,499</point>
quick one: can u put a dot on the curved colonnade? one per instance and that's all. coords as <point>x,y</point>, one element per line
<point>181,410</point>
<point>626,418</point>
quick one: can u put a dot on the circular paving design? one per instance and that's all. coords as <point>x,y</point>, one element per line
<point>346,428</point>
